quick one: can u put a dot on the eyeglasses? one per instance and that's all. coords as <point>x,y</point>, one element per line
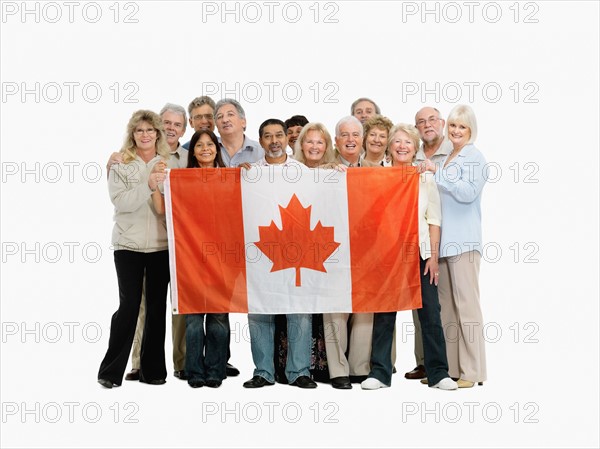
<point>431,120</point>
<point>149,131</point>
<point>208,117</point>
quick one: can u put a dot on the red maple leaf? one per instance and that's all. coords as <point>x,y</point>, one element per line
<point>296,245</point>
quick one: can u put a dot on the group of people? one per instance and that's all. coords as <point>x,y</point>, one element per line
<point>360,347</point>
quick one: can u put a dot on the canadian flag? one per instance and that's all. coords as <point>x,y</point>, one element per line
<point>289,239</point>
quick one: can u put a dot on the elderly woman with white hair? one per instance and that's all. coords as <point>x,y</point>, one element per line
<point>460,180</point>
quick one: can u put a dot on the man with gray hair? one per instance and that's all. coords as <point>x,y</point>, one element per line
<point>202,115</point>
<point>349,141</point>
<point>236,148</point>
<point>348,344</point>
<point>364,108</point>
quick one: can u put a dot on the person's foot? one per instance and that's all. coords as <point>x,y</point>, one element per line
<point>257,382</point>
<point>154,381</point>
<point>107,383</point>
<point>304,382</point>
<point>213,383</point>
<point>231,370</point>
<point>372,384</point>
<point>417,373</point>
<point>180,374</point>
<point>446,384</point>
<point>134,374</point>
<point>341,383</point>
<point>196,383</point>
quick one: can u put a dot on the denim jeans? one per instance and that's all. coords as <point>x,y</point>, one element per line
<point>206,353</point>
<point>299,335</point>
<point>434,344</point>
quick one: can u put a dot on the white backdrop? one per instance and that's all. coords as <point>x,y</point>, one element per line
<point>73,72</point>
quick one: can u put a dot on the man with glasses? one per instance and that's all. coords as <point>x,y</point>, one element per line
<point>202,115</point>
<point>436,147</point>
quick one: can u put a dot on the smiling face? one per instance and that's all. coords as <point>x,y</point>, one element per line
<point>349,142</point>
<point>313,148</point>
<point>402,148</point>
<point>229,122</point>
<point>430,125</point>
<point>376,141</point>
<point>202,117</point>
<point>364,110</point>
<point>145,136</point>
<point>205,151</point>
<point>459,134</point>
<point>174,127</point>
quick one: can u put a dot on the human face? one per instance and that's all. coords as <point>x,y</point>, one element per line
<point>229,122</point>
<point>349,142</point>
<point>274,141</point>
<point>364,110</point>
<point>145,136</point>
<point>202,117</point>
<point>313,147</point>
<point>459,134</point>
<point>376,141</point>
<point>205,151</point>
<point>174,127</point>
<point>402,149</point>
<point>292,134</point>
<point>430,125</point>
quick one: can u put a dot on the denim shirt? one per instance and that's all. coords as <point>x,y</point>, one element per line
<point>460,184</point>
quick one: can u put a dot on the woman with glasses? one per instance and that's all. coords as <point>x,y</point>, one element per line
<point>140,242</point>
<point>460,183</point>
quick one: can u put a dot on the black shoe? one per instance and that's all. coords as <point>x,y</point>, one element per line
<point>213,383</point>
<point>154,381</point>
<point>394,370</point>
<point>196,383</point>
<point>180,374</point>
<point>304,382</point>
<point>107,383</point>
<point>341,383</point>
<point>231,370</point>
<point>257,382</point>
<point>134,374</point>
<point>357,379</point>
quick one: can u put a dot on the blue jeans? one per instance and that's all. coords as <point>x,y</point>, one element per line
<point>434,344</point>
<point>206,354</point>
<point>299,335</point>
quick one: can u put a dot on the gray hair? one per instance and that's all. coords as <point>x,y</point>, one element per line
<point>176,109</point>
<point>201,101</point>
<point>349,119</point>
<point>233,102</point>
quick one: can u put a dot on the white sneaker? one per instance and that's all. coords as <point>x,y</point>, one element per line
<point>372,384</point>
<point>446,384</point>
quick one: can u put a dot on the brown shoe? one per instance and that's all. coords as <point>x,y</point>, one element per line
<point>134,374</point>
<point>417,373</point>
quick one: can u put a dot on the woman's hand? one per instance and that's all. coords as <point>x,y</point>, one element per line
<point>158,175</point>
<point>432,267</point>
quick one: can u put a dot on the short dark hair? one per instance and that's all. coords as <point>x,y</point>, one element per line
<point>296,120</point>
<point>271,121</point>
<point>192,161</point>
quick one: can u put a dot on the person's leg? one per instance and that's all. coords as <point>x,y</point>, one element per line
<point>262,328</point>
<point>299,331</point>
<point>153,366</point>
<point>217,338</point>
<point>381,360</point>
<point>130,273</point>
<point>194,354</point>
<point>336,343</point>
<point>359,346</point>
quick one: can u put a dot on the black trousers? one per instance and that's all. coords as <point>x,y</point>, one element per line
<point>131,266</point>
